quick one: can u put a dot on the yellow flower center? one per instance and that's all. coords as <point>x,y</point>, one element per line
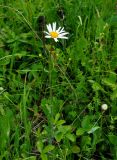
<point>54,34</point>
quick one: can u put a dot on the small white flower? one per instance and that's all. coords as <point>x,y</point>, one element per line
<point>55,33</point>
<point>104,107</point>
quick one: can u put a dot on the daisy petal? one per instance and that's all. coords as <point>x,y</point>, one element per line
<point>55,33</point>
<point>56,40</point>
<point>62,30</point>
<point>46,33</point>
<point>47,36</point>
<point>58,29</point>
<point>63,34</point>
<point>49,27</point>
<point>63,37</point>
<point>54,26</point>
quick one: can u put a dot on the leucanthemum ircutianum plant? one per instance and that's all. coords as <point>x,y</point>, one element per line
<point>55,33</point>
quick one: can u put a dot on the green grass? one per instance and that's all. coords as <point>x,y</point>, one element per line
<point>51,93</point>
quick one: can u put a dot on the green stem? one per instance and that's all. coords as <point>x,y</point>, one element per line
<point>50,80</point>
<point>51,106</point>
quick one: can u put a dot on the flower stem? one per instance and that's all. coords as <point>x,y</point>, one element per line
<point>51,98</point>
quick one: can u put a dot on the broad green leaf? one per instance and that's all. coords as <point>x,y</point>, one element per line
<point>50,106</point>
<point>64,129</point>
<point>86,140</point>
<point>100,27</point>
<point>75,149</point>
<point>4,60</point>
<point>44,156</point>
<point>71,137</point>
<point>59,136</point>
<point>80,132</point>
<point>48,148</point>
<point>60,122</point>
<point>113,139</point>
<point>86,123</point>
<point>40,146</point>
<point>57,117</point>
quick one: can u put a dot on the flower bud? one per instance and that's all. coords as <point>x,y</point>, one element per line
<point>104,107</point>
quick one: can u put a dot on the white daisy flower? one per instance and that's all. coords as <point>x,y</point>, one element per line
<point>104,107</point>
<point>55,33</point>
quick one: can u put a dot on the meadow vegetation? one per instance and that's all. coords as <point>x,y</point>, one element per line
<point>51,93</point>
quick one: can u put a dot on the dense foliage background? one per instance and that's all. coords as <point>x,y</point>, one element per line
<point>51,93</point>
